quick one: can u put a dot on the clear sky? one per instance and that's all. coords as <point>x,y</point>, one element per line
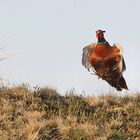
<point>47,37</point>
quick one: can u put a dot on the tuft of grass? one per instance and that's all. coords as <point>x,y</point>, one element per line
<point>44,114</point>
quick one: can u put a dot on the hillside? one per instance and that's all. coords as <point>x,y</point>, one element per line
<point>43,114</point>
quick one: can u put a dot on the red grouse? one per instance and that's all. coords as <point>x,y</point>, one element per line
<point>105,61</point>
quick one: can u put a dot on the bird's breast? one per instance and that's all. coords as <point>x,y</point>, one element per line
<point>102,51</point>
<point>105,53</point>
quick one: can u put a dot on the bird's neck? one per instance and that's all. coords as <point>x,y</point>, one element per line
<point>101,40</point>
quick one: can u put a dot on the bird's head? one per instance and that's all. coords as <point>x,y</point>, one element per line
<point>100,34</point>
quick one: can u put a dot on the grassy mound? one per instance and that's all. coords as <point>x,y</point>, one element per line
<point>43,114</point>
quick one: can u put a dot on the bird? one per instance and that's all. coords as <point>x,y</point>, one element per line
<point>105,61</point>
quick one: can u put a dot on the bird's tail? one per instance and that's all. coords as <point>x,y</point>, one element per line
<point>119,84</point>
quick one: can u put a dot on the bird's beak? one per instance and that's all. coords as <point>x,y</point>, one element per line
<point>97,32</point>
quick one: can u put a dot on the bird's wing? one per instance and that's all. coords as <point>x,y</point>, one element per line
<point>122,65</point>
<point>87,51</point>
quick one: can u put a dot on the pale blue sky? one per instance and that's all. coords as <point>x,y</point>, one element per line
<point>47,37</point>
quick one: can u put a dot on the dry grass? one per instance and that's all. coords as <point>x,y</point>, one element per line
<point>43,114</point>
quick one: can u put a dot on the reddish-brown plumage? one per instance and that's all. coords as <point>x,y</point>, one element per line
<point>106,61</point>
<point>105,52</point>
